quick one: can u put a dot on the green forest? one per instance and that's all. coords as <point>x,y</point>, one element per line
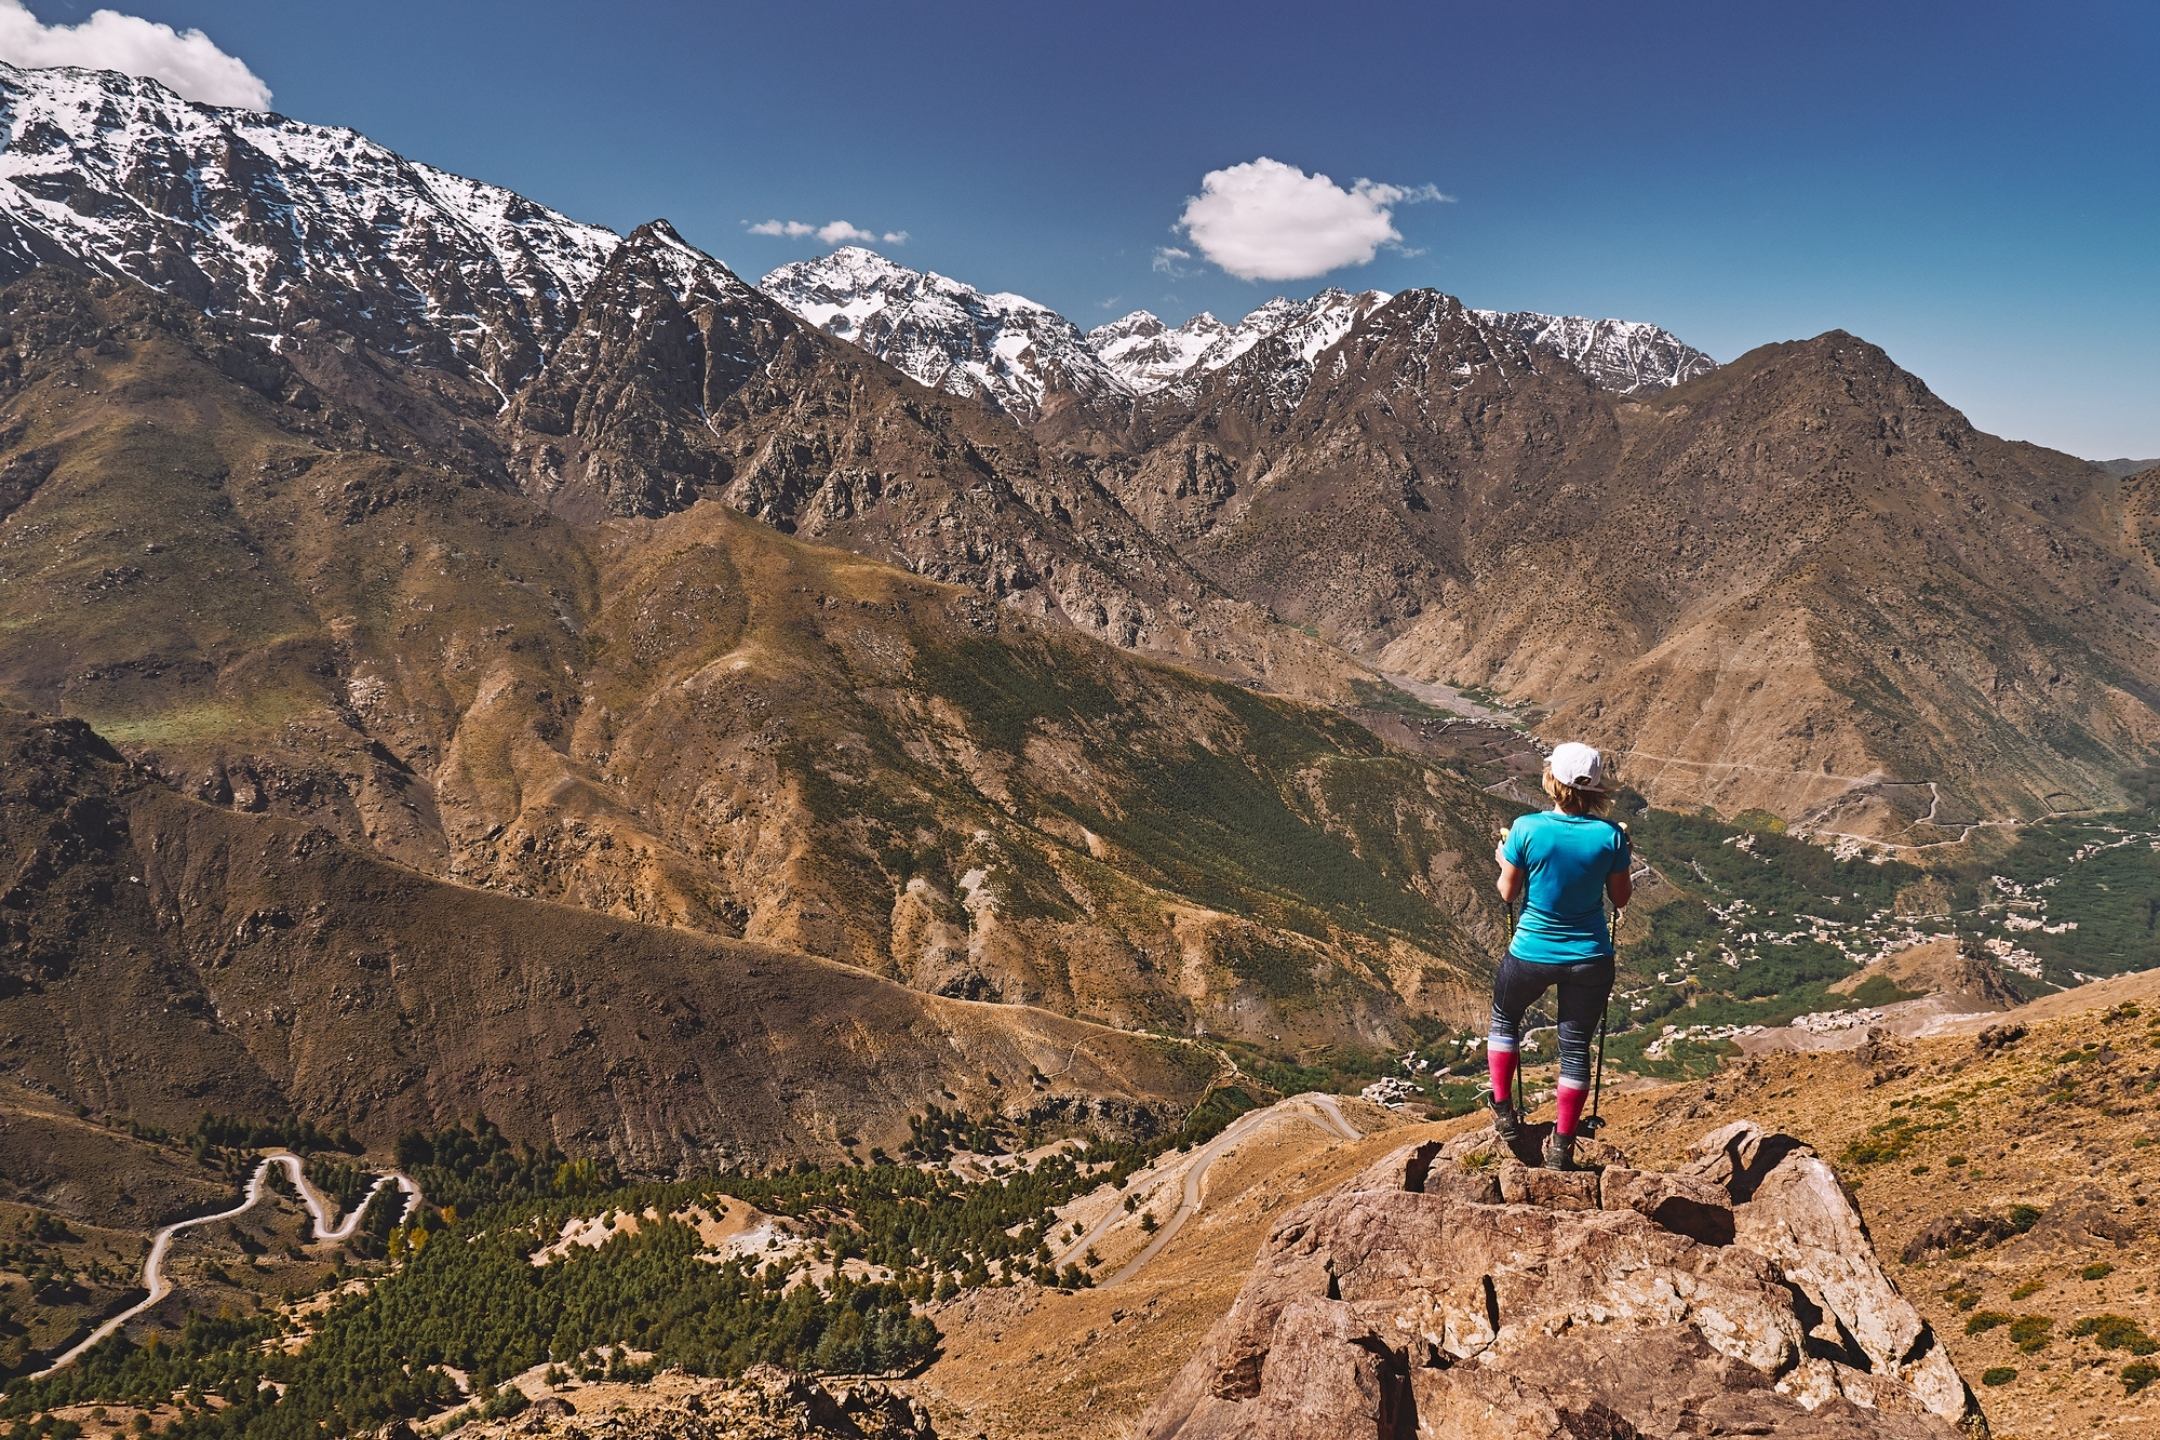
<point>457,1288</point>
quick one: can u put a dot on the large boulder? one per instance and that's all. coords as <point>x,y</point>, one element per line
<point>1456,1291</point>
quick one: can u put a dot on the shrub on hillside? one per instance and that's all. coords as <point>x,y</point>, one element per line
<point>2116,1332</point>
<point>2031,1333</point>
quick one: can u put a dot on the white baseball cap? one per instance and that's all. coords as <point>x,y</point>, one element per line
<point>1577,764</point>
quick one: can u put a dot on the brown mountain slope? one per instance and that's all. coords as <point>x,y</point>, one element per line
<point>679,381</point>
<point>1787,584</point>
<point>1845,577</point>
<point>164,958</point>
<point>691,719</point>
<point>2138,499</point>
<point>1424,436</point>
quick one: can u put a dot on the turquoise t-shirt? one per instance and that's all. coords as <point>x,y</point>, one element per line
<point>1565,860</point>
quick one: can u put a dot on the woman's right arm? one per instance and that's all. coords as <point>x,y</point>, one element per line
<point>1619,886</point>
<point>1512,881</point>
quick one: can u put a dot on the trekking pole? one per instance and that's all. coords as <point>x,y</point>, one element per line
<point>1597,1087</point>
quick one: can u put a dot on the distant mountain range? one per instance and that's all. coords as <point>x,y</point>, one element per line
<point>2124,468</point>
<point>1025,359</point>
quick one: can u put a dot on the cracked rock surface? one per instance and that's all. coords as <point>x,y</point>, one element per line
<point>1452,1290</point>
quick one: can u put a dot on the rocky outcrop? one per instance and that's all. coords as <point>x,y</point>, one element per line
<point>1456,1291</point>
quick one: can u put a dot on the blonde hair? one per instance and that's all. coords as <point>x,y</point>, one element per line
<point>1576,799</point>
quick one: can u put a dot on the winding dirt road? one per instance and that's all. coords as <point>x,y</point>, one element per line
<point>318,1207</point>
<point>1317,1109</point>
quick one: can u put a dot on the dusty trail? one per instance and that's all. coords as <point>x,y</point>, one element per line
<point>318,1208</point>
<point>1965,829</point>
<point>1875,777</point>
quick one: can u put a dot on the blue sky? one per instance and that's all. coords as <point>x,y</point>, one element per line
<point>1974,186</point>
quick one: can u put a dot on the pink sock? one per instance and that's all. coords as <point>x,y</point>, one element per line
<point>1568,1100</point>
<point>1501,1064</point>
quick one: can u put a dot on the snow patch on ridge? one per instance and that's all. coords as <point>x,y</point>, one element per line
<point>1624,356</point>
<point>1150,356</point>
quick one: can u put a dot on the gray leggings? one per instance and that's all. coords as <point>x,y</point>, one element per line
<point>1584,989</point>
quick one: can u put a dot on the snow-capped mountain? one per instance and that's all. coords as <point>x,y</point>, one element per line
<point>1623,356</point>
<point>1150,357</point>
<point>282,225</point>
<point>1147,354</point>
<point>1003,348</point>
<point>1307,328</point>
<point>294,229</point>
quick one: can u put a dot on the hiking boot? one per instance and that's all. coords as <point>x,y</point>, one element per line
<point>1560,1152</point>
<point>1506,1120</point>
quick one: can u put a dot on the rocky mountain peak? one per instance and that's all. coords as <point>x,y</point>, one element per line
<point>693,276</point>
<point>1849,375</point>
<point>853,267</point>
<point>1017,356</point>
<point>1149,355</point>
<point>1623,356</point>
<point>621,414</point>
<point>1139,325</point>
<point>1309,327</point>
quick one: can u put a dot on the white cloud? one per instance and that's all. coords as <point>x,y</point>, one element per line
<point>1169,260</point>
<point>1264,220</point>
<point>187,60</point>
<point>832,232</point>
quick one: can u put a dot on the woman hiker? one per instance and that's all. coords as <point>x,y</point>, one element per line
<point>1565,862</point>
